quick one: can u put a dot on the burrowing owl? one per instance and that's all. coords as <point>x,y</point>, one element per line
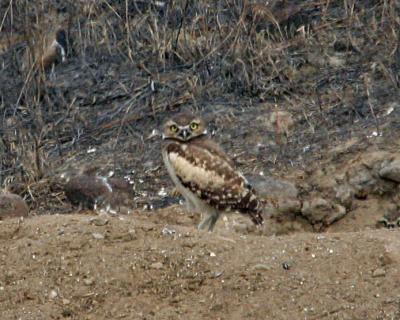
<point>56,50</point>
<point>47,51</point>
<point>204,175</point>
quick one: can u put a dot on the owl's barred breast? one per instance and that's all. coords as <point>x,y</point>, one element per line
<point>203,168</point>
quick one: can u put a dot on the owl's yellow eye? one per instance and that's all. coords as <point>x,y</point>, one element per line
<point>194,125</point>
<point>173,128</point>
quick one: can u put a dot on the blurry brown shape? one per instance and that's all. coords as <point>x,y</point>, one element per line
<point>275,12</point>
<point>92,191</point>
<point>87,190</point>
<point>47,51</point>
<point>283,123</point>
<point>56,51</point>
<point>12,206</point>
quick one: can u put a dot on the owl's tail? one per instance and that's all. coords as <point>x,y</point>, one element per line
<point>257,217</point>
<point>254,208</point>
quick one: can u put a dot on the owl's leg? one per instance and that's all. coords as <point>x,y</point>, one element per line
<point>213,219</point>
<point>209,221</point>
<point>190,206</point>
<point>205,222</point>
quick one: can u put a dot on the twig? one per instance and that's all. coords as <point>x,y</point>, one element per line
<point>367,83</point>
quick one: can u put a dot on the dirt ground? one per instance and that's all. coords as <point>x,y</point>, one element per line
<point>157,266</point>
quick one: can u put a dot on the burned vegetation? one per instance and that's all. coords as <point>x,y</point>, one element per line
<point>281,82</point>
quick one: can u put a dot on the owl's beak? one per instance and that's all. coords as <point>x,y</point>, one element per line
<point>184,133</point>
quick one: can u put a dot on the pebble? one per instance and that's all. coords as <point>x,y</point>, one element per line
<point>267,186</point>
<point>168,231</point>
<point>53,294</point>
<point>286,265</point>
<point>88,281</point>
<point>261,266</point>
<point>98,236</point>
<point>217,274</point>
<point>380,272</point>
<point>157,265</point>
<point>391,171</point>
<point>318,210</point>
<point>98,221</point>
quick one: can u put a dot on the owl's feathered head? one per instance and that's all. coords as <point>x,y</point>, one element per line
<point>61,38</point>
<point>184,127</point>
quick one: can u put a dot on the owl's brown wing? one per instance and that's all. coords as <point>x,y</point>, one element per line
<point>211,175</point>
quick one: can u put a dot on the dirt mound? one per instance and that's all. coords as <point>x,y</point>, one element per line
<point>157,266</point>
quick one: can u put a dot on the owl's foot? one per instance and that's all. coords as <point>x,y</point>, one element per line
<point>209,221</point>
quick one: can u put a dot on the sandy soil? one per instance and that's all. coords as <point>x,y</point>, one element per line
<point>158,266</point>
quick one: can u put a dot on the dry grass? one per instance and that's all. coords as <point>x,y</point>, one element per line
<point>133,60</point>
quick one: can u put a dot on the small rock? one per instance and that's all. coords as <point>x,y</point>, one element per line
<point>385,259</point>
<point>65,302</point>
<point>217,274</point>
<point>97,236</point>
<point>125,236</point>
<point>319,210</point>
<point>148,227</point>
<point>53,294</point>
<point>380,272</point>
<point>374,160</point>
<point>88,281</point>
<point>289,205</point>
<point>377,174</point>
<point>362,181</point>
<point>167,231</point>
<point>270,187</point>
<point>344,194</point>
<point>98,221</point>
<point>67,313</point>
<point>12,206</point>
<point>286,265</point>
<point>261,266</point>
<point>323,179</point>
<point>391,171</point>
<point>157,265</point>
